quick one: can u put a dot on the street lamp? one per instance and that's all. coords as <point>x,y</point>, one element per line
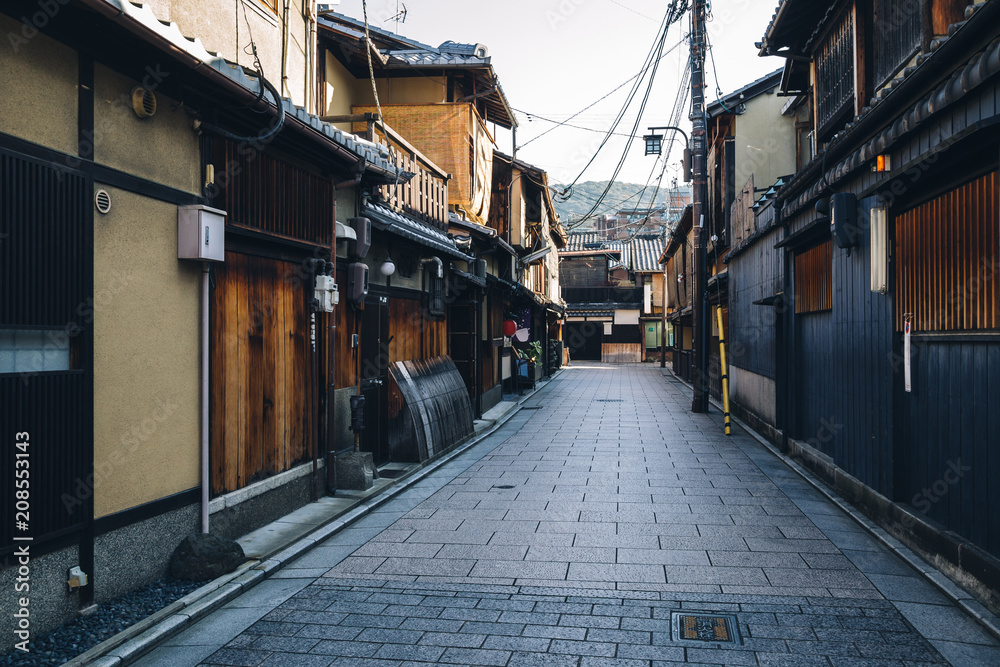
<point>654,146</point>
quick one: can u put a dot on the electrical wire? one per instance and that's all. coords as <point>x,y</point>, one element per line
<point>675,10</point>
<point>649,62</point>
<point>592,104</point>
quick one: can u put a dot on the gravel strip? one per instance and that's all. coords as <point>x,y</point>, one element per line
<point>83,633</point>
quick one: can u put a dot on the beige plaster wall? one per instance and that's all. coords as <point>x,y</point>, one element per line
<point>340,91</point>
<point>162,148</point>
<point>146,356</point>
<point>765,141</point>
<point>225,27</point>
<point>38,78</point>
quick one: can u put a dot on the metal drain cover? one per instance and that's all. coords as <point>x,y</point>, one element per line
<point>608,400</point>
<point>503,486</point>
<point>705,628</point>
<point>531,407</point>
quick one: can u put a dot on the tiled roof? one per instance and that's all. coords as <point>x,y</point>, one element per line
<point>640,254</point>
<point>400,224</point>
<point>374,154</point>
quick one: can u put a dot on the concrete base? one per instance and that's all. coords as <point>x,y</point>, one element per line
<point>355,471</point>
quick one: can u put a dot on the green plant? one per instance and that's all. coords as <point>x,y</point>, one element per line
<point>534,350</point>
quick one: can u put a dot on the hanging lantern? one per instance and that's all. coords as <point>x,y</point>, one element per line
<point>509,328</point>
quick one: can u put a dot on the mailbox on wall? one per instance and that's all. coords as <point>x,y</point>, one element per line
<point>357,282</point>
<point>201,233</point>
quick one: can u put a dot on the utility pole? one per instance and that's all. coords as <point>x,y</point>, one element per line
<point>699,367</point>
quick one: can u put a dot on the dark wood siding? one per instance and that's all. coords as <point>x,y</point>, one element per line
<point>861,378</point>
<point>46,269</point>
<point>754,275</point>
<point>949,426</point>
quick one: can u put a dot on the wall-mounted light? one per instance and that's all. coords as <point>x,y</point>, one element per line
<point>388,267</point>
<point>880,249</point>
<point>882,163</point>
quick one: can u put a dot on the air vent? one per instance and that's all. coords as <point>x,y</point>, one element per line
<point>143,102</point>
<point>102,200</point>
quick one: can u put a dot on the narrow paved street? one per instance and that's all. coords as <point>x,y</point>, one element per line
<point>603,525</point>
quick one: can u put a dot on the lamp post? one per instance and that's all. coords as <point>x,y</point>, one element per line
<point>654,146</point>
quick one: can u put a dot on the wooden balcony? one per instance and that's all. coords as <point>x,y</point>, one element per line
<point>425,196</point>
<point>455,138</point>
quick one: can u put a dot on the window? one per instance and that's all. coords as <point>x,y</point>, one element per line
<point>948,260</point>
<point>35,351</point>
<point>896,38</point>
<point>814,279</point>
<point>270,4</point>
<point>835,76</point>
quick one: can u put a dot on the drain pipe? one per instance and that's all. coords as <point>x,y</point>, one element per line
<point>205,279</point>
<point>440,265</point>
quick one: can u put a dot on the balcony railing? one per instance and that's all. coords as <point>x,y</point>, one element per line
<point>602,294</point>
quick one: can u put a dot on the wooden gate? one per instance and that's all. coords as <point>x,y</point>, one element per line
<point>260,371</point>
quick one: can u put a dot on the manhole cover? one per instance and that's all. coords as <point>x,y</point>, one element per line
<point>705,628</point>
<point>503,486</point>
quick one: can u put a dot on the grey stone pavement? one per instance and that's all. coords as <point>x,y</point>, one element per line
<point>576,535</point>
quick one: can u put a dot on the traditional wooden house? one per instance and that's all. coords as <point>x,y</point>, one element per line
<point>751,138</point>
<point>523,214</point>
<point>677,259</point>
<point>888,313</point>
<point>610,289</point>
<point>166,214</point>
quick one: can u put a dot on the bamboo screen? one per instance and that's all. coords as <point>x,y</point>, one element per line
<point>814,279</point>
<point>948,261</point>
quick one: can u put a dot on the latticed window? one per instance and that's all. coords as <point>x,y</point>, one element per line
<point>948,260</point>
<point>835,76</point>
<point>896,38</point>
<point>814,279</point>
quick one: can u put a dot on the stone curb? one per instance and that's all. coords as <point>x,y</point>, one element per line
<point>139,639</point>
<point>948,588</point>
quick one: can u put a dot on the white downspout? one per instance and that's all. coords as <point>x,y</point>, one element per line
<point>204,394</point>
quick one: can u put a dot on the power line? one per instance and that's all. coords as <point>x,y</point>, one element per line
<point>674,12</point>
<point>595,102</point>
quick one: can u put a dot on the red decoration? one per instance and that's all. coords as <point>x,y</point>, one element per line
<point>509,327</point>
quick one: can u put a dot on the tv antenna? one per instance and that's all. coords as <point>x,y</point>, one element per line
<point>400,16</point>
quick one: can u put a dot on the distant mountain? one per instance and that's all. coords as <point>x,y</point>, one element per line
<point>621,196</point>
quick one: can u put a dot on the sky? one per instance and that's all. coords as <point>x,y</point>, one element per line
<point>555,57</point>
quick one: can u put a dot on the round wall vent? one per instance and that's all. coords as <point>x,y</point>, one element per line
<point>102,200</point>
<point>143,102</point>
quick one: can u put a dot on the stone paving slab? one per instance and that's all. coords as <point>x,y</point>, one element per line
<point>618,515</point>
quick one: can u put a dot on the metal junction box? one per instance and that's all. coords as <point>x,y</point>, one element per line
<point>201,233</point>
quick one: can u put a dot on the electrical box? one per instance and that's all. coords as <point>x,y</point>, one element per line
<point>363,229</point>
<point>357,282</point>
<point>479,268</point>
<point>843,219</point>
<point>201,233</point>
<point>326,295</point>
